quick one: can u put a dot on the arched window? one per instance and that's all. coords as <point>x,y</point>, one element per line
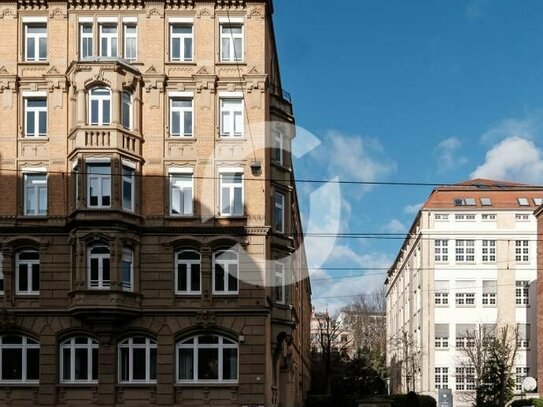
<point>127,110</point>
<point>99,106</point>
<point>28,272</point>
<point>98,266</point>
<point>187,272</point>
<point>137,360</point>
<point>20,359</point>
<point>128,269</point>
<point>207,358</point>
<point>79,360</point>
<point>225,272</point>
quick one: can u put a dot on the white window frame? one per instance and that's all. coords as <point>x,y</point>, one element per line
<point>523,342</point>
<point>2,280</point>
<point>38,114</point>
<point>279,200</point>
<point>467,374</point>
<point>231,186</point>
<point>278,140</point>
<point>441,377</point>
<point>128,258</point>
<point>90,347</point>
<point>232,116</point>
<point>521,372</point>
<point>522,217</point>
<point>100,99</point>
<point>441,342</point>
<point>127,103</point>
<point>35,38</point>
<point>522,251</point>
<point>86,38</point>
<point>441,250</point>
<point>231,39</point>
<point>465,250</point>
<point>110,38</point>
<point>279,285</point>
<point>195,346</point>
<point>100,180</point>
<point>441,216</point>
<point>522,293</point>
<point>100,283</point>
<point>24,346</point>
<point>488,251</point>
<point>465,299</point>
<point>181,111</point>
<point>488,216</point>
<point>30,290</point>
<point>130,36</point>
<point>129,344</point>
<point>181,37</point>
<point>37,186</point>
<point>441,298</point>
<point>189,263</point>
<point>226,263</point>
<point>128,179</point>
<point>181,180</point>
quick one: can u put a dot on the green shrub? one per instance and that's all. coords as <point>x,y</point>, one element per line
<point>527,402</point>
<point>406,400</point>
<point>537,402</point>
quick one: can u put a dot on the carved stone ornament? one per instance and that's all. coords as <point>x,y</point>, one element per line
<point>58,13</point>
<point>255,13</point>
<point>7,320</point>
<point>206,319</point>
<point>205,13</point>
<point>8,13</point>
<point>155,12</point>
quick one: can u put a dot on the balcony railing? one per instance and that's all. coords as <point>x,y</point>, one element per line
<point>93,138</point>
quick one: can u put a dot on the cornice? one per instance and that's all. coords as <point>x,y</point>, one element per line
<point>58,12</point>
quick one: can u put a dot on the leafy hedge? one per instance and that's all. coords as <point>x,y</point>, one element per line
<point>527,402</point>
<point>413,400</point>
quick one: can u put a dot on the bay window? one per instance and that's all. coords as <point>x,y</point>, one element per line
<point>100,106</point>
<point>99,267</point>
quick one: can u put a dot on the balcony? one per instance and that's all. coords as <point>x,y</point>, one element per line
<point>93,139</point>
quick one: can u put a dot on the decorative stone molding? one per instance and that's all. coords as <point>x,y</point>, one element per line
<point>155,13</point>
<point>8,13</point>
<point>178,4</point>
<point>206,319</point>
<point>8,86</point>
<point>256,13</point>
<point>58,13</point>
<point>105,4</point>
<point>226,4</point>
<point>206,13</point>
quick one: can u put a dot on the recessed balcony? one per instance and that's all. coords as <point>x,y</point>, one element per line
<point>91,138</point>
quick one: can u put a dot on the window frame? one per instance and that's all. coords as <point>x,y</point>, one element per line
<point>183,133</point>
<point>231,186</point>
<point>100,179</point>
<point>127,257</point>
<point>179,180</point>
<point>522,293</point>
<point>226,272</point>
<point>110,38</point>
<point>101,282</point>
<point>522,251</point>
<point>441,250</point>
<point>100,99</point>
<point>231,38</point>
<point>37,111</point>
<point>279,207</point>
<point>193,344</point>
<point>25,345</point>
<point>148,346</point>
<point>465,250</point>
<point>441,377</point>
<point>181,37</point>
<point>188,263</point>
<point>488,251</point>
<point>128,180</point>
<point>31,290</point>
<point>86,38</point>
<point>127,105</point>
<point>35,37</point>
<point>37,187</point>
<point>227,117</point>
<point>278,140</point>
<point>71,345</point>
<point>279,285</point>
<point>126,37</point>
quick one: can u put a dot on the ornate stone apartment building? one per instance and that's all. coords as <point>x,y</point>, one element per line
<point>469,262</point>
<point>150,237</point>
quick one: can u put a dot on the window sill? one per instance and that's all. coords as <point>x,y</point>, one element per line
<point>24,137</point>
<point>136,384</point>
<point>234,217</point>
<point>227,294</point>
<point>442,306</point>
<point>27,295</point>
<point>441,349</point>
<point>206,384</point>
<point>78,384</point>
<point>231,138</point>
<point>466,306</point>
<point>188,139</point>
<point>33,217</point>
<point>489,305</point>
<point>230,63</point>
<point>44,63</point>
<point>18,384</point>
<point>190,295</point>
<point>190,63</point>
<point>522,306</point>
<point>181,217</point>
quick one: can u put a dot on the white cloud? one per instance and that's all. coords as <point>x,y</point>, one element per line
<point>394,226</point>
<point>332,293</point>
<point>515,159</point>
<point>413,209</point>
<point>447,154</point>
<point>523,128</point>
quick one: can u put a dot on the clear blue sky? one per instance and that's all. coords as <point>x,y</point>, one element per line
<point>408,90</point>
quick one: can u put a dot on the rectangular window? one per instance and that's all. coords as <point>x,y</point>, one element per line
<point>279,283</point>
<point>522,251</point>
<point>522,293</point>
<point>130,42</point>
<point>85,41</point>
<point>126,111</point>
<point>35,116</point>
<point>465,292</point>
<point>465,250</point>
<point>35,191</point>
<point>181,194</point>
<point>441,292</point>
<point>441,251</point>
<point>489,292</point>
<point>128,270</point>
<point>464,216</point>
<point>181,117</point>
<point>129,175</point>
<point>465,378</point>
<point>488,216</point>
<point>442,377</point>
<point>181,42</point>
<point>279,212</point>
<point>465,335</point>
<point>188,276</point>
<point>489,251</point>
<point>231,194</point>
<point>523,336</point>
<point>28,273</point>
<point>522,216</point>
<point>441,334</point>
<point>226,272</point>
<point>98,185</point>
<point>1,274</point>
<point>521,373</point>
<point>108,40</point>
<point>231,42</point>
<point>277,147</point>
<point>35,42</point>
<point>441,216</point>
<point>231,117</point>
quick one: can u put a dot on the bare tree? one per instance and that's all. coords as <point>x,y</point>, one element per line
<point>407,356</point>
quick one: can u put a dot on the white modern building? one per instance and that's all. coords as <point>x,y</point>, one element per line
<point>469,261</point>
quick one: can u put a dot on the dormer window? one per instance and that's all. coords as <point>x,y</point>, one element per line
<point>523,202</point>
